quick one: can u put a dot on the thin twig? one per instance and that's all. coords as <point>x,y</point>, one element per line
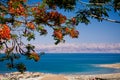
<point>97,4</point>
<point>110,20</point>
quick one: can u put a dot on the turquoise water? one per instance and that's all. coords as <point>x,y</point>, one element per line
<point>69,63</point>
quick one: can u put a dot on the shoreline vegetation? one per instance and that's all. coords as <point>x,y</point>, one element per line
<point>48,76</point>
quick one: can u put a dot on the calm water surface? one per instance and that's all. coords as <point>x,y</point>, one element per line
<point>82,63</point>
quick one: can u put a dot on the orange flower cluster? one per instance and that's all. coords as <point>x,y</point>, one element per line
<point>74,33</point>
<point>40,14</point>
<point>58,34</point>
<point>4,32</point>
<point>30,25</point>
<point>38,10</point>
<point>57,17</point>
<point>35,56</point>
<point>16,9</point>
<point>67,30</point>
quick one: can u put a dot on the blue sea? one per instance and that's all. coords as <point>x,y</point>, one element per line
<point>64,63</point>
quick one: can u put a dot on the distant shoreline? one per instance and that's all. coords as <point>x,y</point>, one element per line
<point>78,52</point>
<point>115,66</point>
<point>83,52</point>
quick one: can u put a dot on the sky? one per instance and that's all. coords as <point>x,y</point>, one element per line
<point>99,36</point>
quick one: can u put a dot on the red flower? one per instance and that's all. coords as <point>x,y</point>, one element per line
<point>4,32</point>
<point>35,56</point>
<point>58,34</point>
<point>67,30</point>
<point>74,33</point>
<point>30,25</point>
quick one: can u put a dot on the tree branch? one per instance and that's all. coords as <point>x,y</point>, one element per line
<point>97,4</point>
<point>3,7</point>
<point>110,20</point>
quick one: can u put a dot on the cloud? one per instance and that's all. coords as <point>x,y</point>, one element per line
<point>80,48</point>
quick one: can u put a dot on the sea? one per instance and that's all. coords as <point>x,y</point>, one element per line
<point>68,63</point>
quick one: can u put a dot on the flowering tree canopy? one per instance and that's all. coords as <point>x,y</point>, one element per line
<point>18,20</point>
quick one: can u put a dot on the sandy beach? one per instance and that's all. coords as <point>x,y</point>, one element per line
<point>47,76</point>
<point>116,66</point>
<point>43,76</point>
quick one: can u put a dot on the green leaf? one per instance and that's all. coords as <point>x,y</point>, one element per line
<point>1,47</point>
<point>14,36</point>
<point>57,42</point>
<point>30,36</point>
<point>9,65</point>
<point>40,28</point>
<point>21,67</point>
<point>3,58</point>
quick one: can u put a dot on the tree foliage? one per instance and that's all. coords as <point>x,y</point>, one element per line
<point>18,20</point>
